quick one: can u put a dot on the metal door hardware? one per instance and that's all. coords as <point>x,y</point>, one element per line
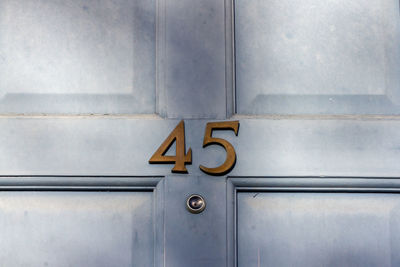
<point>195,204</point>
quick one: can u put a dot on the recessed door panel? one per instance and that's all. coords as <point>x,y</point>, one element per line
<point>318,229</point>
<point>317,57</point>
<point>76,229</point>
<point>77,56</point>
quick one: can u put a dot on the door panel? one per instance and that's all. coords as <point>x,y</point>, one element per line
<point>74,57</point>
<point>76,228</point>
<point>317,57</point>
<point>318,229</point>
<point>81,221</point>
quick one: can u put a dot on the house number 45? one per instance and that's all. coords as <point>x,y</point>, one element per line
<point>182,157</point>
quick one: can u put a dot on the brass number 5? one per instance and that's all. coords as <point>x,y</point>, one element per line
<point>230,151</point>
<point>181,158</point>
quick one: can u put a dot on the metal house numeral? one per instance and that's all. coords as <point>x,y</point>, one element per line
<point>181,158</point>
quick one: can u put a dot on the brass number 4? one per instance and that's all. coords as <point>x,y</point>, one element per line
<point>181,158</point>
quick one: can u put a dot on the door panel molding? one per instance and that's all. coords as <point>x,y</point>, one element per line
<point>84,183</point>
<point>280,69</point>
<point>79,57</point>
<point>296,184</point>
<point>154,185</point>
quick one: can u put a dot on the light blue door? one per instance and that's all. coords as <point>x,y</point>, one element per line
<point>89,90</point>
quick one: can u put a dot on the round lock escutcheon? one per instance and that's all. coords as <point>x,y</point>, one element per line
<point>195,204</point>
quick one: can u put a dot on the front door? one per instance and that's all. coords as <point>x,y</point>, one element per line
<point>115,146</point>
